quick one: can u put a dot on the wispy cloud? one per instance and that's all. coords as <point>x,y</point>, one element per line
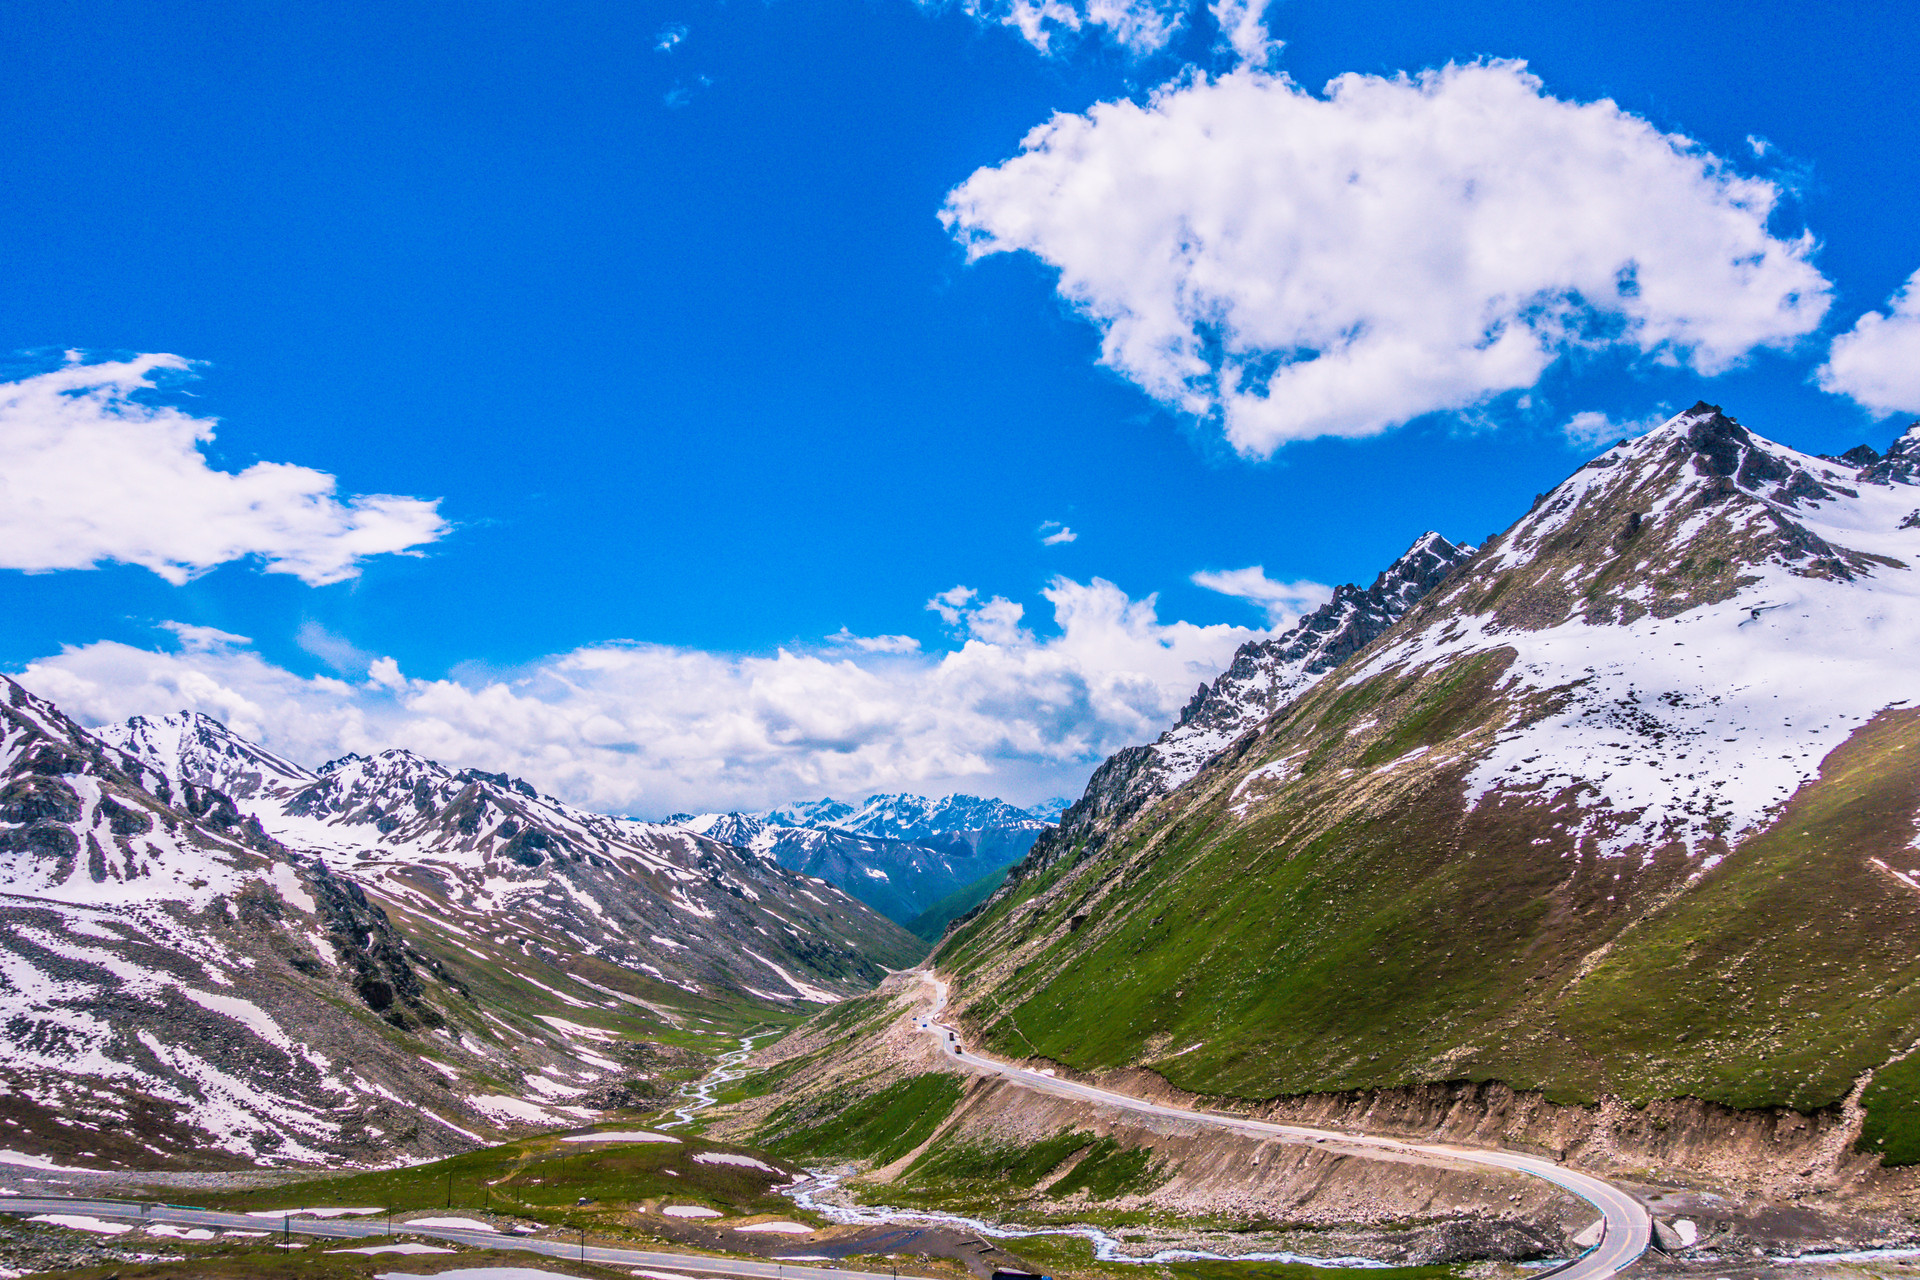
<point>1591,428</point>
<point>670,37</point>
<point>89,475</point>
<point>1053,533</point>
<point>1284,602</point>
<point>874,644</point>
<point>682,93</point>
<point>1009,708</point>
<point>335,650</point>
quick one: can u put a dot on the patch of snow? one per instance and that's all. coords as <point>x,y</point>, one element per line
<point>82,1222</point>
<point>406,1246</point>
<point>728,1157</point>
<point>623,1135</point>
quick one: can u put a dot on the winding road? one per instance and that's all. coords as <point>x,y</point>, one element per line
<point>1628,1230</point>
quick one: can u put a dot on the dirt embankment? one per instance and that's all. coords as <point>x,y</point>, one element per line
<point>1216,1173</point>
<point>1777,1152</point>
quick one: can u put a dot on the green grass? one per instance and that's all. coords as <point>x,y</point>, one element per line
<point>1011,1164</point>
<point>1110,1171</point>
<point>1892,1127</point>
<point>313,1261</point>
<point>880,1127</point>
<point>1353,934</point>
<point>541,1179</point>
<point>933,922</point>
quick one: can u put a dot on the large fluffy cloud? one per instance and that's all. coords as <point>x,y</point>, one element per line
<point>650,728</point>
<point>1877,362</point>
<point>1303,265</point>
<point>89,474</point>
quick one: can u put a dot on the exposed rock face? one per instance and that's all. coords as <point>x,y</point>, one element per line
<point>1265,676</point>
<point>353,963</point>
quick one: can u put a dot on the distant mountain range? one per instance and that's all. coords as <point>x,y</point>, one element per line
<point>1622,804</point>
<point>214,955</point>
<point>907,856</point>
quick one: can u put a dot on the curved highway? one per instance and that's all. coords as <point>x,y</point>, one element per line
<point>1628,1230</point>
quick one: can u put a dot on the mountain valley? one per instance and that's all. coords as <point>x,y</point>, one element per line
<point>1598,842</point>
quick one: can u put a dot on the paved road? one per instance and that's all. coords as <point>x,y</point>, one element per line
<point>1629,1227</point>
<point>350,1229</point>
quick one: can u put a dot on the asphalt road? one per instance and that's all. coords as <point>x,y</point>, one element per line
<point>347,1229</point>
<point>1629,1227</point>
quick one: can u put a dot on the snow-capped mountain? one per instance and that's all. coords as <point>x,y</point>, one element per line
<point>177,986</point>
<point>899,854</point>
<point>191,747</point>
<point>1626,805</point>
<point>1263,677</point>
<point>475,853</point>
<point>910,817</point>
<point>380,959</point>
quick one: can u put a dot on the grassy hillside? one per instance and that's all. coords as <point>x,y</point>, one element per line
<point>1321,913</point>
<point>933,922</point>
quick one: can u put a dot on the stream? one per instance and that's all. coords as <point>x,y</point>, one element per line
<point>807,1194</point>
<point>698,1095</point>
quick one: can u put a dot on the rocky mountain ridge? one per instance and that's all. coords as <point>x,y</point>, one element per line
<point>1263,676</point>
<point>481,853</point>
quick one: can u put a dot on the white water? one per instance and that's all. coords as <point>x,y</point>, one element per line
<point>807,1194</point>
<point>698,1094</point>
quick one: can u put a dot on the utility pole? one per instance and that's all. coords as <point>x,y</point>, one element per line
<point>286,1229</point>
<point>583,1244</point>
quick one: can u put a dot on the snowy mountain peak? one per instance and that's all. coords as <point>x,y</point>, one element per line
<point>1687,626</point>
<point>188,746</point>
<point>911,817</point>
<point>824,812</point>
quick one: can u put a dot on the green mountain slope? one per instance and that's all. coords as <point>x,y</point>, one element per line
<point>1432,865</point>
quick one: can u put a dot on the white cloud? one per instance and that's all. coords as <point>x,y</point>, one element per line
<point>88,474</point>
<point>1053,533</point>
<point>1297,265</point>
<point>670,36</point>
<point>1140,26</point>
<point>652,728</point>
<point>331,648</point>
<point>1591,428</point>
<point>1243,29</point>
<point>1283,601</point>
<point>1877,362</point>
<point>874,644</point>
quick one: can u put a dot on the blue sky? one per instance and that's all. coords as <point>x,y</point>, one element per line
<point>679,343</point>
